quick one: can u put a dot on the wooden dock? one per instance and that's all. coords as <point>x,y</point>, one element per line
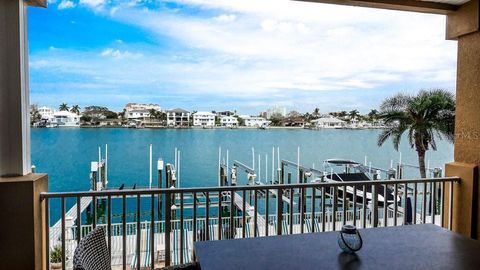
<point>56,230</point>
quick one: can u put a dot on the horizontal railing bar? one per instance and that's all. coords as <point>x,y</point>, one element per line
<point>44,195</point>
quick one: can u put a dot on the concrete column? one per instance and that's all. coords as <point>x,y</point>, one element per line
<point>22,222</point>
<point>14,101</point>
<point>463,26</point>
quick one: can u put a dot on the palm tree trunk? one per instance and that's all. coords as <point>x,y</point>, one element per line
<point>421,163</point>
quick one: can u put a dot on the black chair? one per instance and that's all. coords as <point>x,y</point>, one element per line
<point>92,252</point>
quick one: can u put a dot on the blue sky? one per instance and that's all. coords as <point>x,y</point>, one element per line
<point>233,54</point>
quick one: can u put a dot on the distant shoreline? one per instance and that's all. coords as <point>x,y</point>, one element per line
<point>201,128</point>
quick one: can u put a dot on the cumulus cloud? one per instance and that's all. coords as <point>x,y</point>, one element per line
<point>66,4</point>
<point>92,3</point>
<point>117,54</point>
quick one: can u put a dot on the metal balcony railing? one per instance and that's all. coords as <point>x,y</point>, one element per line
<point>148,228</point>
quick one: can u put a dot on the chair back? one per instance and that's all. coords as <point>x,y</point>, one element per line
<point>92,252</point>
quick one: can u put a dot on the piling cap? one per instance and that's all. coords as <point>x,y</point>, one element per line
<point>349,229</point>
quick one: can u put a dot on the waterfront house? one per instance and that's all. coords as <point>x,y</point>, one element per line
<point>203,119</point>
<point>293,122</point>
<point>178,118</point>
<point>46,113</point>
<point>138,114</point>
<point>26,233</point>
<point>328,122</point>
<point>255,121</point>
<point>141,107</point>
<point>228,121</point>
<point>226,113</point>
<point>65,119</point>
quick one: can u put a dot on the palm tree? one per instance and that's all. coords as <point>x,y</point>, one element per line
<point>75,109</point>
<point>353,114</point>
<point>316,112</point>
<point>373,115</point>
<point>63,107</point>
<point>122,114</point>
<point>429,114</point>
<point>153,113</point>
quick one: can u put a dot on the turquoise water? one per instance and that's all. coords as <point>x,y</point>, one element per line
<point>65,154</point>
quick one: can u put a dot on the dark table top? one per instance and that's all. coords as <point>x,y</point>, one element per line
<point>423,246</point>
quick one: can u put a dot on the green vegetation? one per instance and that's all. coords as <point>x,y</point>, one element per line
<point>429,114</point>
<point>63,107</point>
<point>35,115</point>
<point>56,254</point>
<point>75,109</point>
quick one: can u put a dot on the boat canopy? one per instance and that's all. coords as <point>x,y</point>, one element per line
<point>341,162</point>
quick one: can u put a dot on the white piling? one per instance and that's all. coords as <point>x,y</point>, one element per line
<point>253,158</point>
<point>106,165</point>
<point>99,175</point>
<point>175,161</point>
<point>273,164</point>
<point>219,164</point>
<point>150,168</point>
<point>259,169</point>
<point>298,164</point>
<point>266,168</point>
<point>227,160</point>
<point>278,157</point>
<point>227,170</point>
<point>178,170</point>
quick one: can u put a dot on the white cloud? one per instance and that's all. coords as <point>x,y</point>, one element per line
<point>66,4</point>
<point>272,50</point>
<point>225,18</point>
<point>92,3</point>
<point>117,54</point>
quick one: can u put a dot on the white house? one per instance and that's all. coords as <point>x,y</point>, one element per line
<point>138,114</point>
<point>255,121</point>
<point>228,121</point>
<point>203,119</point>
<point>46,113</point>
<point>65,119</point>
<point>329,122</point>
<point>137,106</point>
<point>178,118</point>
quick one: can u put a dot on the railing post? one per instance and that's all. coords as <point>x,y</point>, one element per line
<point>279,210</point>
<point>374,206</point>
<point>168,209</point>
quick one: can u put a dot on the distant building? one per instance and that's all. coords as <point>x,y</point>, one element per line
<point>276,110</point>
<point>228,121</point>
<point>178,118</point>
<point>46,113</point>
<point>328,122</point>
<point>203,119</point>
<point>141,107</point>
<point>65,119</point>
<point>226,113</point>
<point>138,114</point>
<point>293,122</point>
<point>255,121</point>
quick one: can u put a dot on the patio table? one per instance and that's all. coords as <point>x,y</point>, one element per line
<point>424,246</point>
